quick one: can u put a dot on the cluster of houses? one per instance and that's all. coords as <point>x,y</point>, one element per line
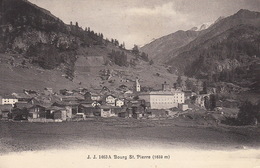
<point>81,104</point>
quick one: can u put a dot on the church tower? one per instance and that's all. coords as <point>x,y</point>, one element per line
<point>137,85</point>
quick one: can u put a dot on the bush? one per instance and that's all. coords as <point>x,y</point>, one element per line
<point>248,113</point>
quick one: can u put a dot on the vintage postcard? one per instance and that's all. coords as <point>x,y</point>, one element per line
<point>129,83</point>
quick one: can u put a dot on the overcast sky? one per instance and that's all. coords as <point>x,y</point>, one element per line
<point>140,21</point>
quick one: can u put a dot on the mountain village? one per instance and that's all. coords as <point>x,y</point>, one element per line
<point>82,104</point>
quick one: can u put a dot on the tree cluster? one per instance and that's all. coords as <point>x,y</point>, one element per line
<point>49,57</point>
<point>240,45</point>
<point>116,43</point>
<point>139,54</point>
<point>179,81</point>
<point>249,113</point>
<point>118,57</point>
<point>210,102</point>
<point>190,85</point>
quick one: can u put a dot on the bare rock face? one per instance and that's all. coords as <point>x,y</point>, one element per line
<point>29,38</point>
<point>40,36</point>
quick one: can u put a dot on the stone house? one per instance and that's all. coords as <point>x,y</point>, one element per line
<point>119,102</point>
<point>110,100</point>
<point>71,108</point>
<point>60,115</point>
<point>36,111</point>
<point>105,111</point>
<point>183,107</point>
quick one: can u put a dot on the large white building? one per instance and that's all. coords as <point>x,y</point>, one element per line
<point>163,99</point>
<point>8,100</point>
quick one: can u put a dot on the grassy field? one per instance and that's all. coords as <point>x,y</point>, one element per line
<point>118,132</point>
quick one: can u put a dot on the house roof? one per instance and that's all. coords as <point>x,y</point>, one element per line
<point>108,107</point>
<point>86,105</point>
<point>122,86</point>
<point>37,105</point>
<point>23,105</point>
<point>87,102</point>
<point>94,94</point>
<point>161,93</point>
<point>129,92</point>
<point>45,105</point>
<point>55,108</point>
<point>72,98</point>
<point>62,103</point>
<point>111,96</point>
<point>105,106</point>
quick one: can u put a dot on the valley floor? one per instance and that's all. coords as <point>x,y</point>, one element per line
<point>114,133</point>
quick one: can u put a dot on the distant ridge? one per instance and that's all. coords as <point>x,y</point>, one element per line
<point>224,49</point>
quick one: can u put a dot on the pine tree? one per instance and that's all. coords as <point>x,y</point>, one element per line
<point>205,87</point>
<point>135,50</point>
<point>179,81</point>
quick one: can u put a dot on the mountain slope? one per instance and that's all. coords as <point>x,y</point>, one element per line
<point>168,47</point>
<point>242,17</point>
<point>228,51</point>
<point>37,34</point>
<point>38,50</point>
<point>160,48</point>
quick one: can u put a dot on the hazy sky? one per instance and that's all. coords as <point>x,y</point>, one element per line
<point>140,21</point>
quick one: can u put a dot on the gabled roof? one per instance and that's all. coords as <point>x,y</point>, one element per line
<point>122,86</point>
<point>55,108</point>
<point>62,103</point>
<point>22,95</point>
<point>108,107</point>
<point>111,96</point>
<point>37,105</point>
<point>23,105</point>
<point>87,105</point>
<point>129,92</point>
<point>71,98</point>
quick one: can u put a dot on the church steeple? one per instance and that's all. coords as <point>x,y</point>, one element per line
<point>137,85</point>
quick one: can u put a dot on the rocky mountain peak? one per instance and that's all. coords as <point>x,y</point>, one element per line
<point>201,27</point>
<point>244,13</point>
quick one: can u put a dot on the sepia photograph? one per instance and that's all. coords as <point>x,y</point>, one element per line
<point>129,83</point>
